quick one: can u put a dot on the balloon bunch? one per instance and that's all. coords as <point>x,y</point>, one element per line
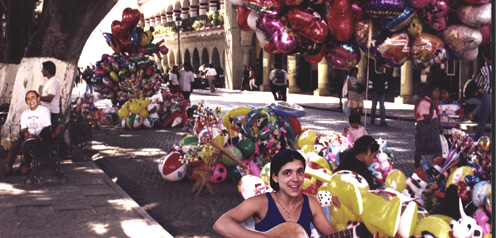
<point>139,113</point>
<point>423,31</point>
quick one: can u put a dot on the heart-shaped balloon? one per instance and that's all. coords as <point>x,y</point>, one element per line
<point>475,15</point>
<point>270,48</point>
<point>486,34</point>
<point>419,3</point>
<point>293,3</point>
<point>131,17</point>
<point>311,26</point>
<point>384,8</point>
<point>316,58</point>
<point>243,13</point>
<point>253,20</point>
<point>341,21</point>
<point>427,50</point>
<point>462,40</point>
<point>357,11</point>
<point>119,30</point>
<point>125,43</point>
<point>435,14</point>
<point>344,56</point>
<point>395,49</point>
<point>282,37</point>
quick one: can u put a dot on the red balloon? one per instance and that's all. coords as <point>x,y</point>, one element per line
<point>126,44</point>
<point>486,34</point>
<point>243,13</point>
<point>270,5</point>
<point>295,123</point>
<point>435,15</point>
<point>314,59</point>
<point>270,48</point>
<point>292,2</point>
<point>119,30</point>
<point>131,17</point>
<point>308,25</point>
<point>341,21</point>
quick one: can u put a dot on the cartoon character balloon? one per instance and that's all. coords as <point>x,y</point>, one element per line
<point>435,14</point>
<point>344,56</point>
<point>475,15</point>
<point>427,50</point>
<point>395,49</point>
<point>463,41</point>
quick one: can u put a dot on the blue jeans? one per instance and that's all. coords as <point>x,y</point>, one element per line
<point>485,111</point>
<point>477,103</point>
<point>378,98</point>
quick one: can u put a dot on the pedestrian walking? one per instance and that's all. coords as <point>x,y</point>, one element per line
<point>378,85</point>
<point>87,77</point>
<point>173,80</point>
<point>246,78</point>
<point>186,77</point>
<point>279,82</point>
<point>427,129</point>
<point>252,78</point>
<point>356,91</point>
<point>211,75</point>
<point>483,82</point>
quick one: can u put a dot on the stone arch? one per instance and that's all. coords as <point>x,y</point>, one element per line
<point>187,56</point>
<point>177,9</point>
<point>179,58</point>
<point>196,59</point>
<point>170,13</point>
<point>215,57</point>
<point>204,56</point>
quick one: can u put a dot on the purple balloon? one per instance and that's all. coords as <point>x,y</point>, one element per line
<point>281,37</point>
<point>435,15</point>
<point>486,34</point>
<point>107,82</point>
<point>419,3</point>
<point>344,56</point>
<point>385,8</point>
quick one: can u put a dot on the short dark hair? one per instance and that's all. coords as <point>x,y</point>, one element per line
<point>32,91</point>
<point>380,62</point>
<point>353,69</point>
<point>278,65</point>
<point>364,143</point>
<point>430,87</point>
<point>280,159</point>
<point>354,117</point>
<point>50,67</point>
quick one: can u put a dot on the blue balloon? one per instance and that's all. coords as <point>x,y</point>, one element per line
<point>134,38</point>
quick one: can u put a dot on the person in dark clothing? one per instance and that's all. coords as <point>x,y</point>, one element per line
<point>378,85</point>
<point>87,77</point>
<point>359,158</point>
<point>246,77</point>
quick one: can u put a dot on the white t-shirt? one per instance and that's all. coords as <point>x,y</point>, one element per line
<point>52,87</point>
<point>35,120</point>
<point>173,79</point>
<point>185,80</point>
<point>211,72</point>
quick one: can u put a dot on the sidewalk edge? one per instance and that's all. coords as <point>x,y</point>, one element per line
<point>161,232</point>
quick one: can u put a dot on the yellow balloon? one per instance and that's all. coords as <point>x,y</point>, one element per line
<point>396,180</point>
<point>134,107</point>
<point>346,187</point>
<point>340,217</point>
<point>113,76</point>
<point>220,139</point>
<point>239,111</point>
<point>123,112</point>
<point>435,225</point>
<point>307,148</point>
<point>308,137</point>
<point>145,38</point>
<point>232,133</point>
<point>318,161</point>
<point>445,218</point>
<point>143,113</point>
<point>459,175</point>
<point>381,215</point>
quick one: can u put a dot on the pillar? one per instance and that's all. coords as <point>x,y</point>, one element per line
<point>203,8</point>
<point>170,16</point>
<point>246,54</point>
<point>406,85</point>
<point>193,11</point>
<point>292,74</point>
<point>323,87</point>
<point>267,62</point>
<point>147,23</point>
<point>152,21</point>
<point>221,4</point>
<point>163,18</point>
<point>185,13</point>
<point>212,5</point>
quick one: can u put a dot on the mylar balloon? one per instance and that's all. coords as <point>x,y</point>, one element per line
<point>384,8</point>
<point>427,50</point>
<point>344,56</point>
<point>477,2</point>
<point>395,49</point>
<point>435,14</point>
<point>400,21</point>
<point>119,30</point>
<point>243,13</point>
<point>463,41</point>
<point>252,22</point>
<point>341,21</point>
<point>419,3</point>
<point>316,58</point>
<point>131,17</point>
<point>486,34</point>
<point>475,15</point>
<point>281,38</point>
<point>311,26</point>
<point>362,28</point>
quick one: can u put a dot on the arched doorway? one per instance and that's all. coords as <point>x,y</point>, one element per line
<point>215,58</point>
<point>172,59</point>
<point>204,57</point>
<point>196,59</point>
<point>187,57</point>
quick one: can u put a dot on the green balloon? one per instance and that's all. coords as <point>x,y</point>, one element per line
<point>247,147</point>
<point>189,140</point>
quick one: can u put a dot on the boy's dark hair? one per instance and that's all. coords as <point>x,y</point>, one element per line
<point>380,62</point>
<point>280,159</point>
<point>430,87</point>
<point>354,117</point>
<point>364,143</point>
<point>49,66</point>
<point>277,66</point>
<point>352,70</point>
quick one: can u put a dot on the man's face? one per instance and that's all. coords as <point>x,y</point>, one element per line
<point>44,72</point>
<point>32,100</point>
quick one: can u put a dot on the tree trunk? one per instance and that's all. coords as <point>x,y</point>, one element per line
<point>64,26</point>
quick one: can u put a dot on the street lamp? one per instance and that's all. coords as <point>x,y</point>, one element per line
<point>179,21</point>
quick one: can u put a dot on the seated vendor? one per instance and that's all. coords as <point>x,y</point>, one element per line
<point>34,120</point>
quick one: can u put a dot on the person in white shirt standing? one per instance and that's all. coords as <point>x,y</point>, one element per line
<point>211,75</point>
<point>34,120</point>
<point>186,77</point>
<point>51,91</point>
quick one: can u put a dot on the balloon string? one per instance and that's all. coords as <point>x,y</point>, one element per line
<point>369,36</point>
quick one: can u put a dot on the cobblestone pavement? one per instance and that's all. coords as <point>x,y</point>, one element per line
<point>130,157</point>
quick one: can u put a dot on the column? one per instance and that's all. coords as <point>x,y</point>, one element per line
<point>212,5</point>
<point>246,54</point>
<point>193,11</point>
<point>163,18</point>
<point>222,4</point>
<point>152,21</point>
<point>170,17</point>
<point>267,63</point>
<point>185,13</point>
<point>323,81</point>
<point>362,66</point>
<point>292,74</point>
<point>147,23</point>
<point>203,8</point>
<point>406,85</point>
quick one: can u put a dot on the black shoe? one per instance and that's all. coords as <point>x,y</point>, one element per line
<point>383,123</point>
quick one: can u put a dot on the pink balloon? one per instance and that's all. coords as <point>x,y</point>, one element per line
<point>308,25</point>
<point>343,56</point>
<point>281,37</point>
<point>316,58</point>
<point>435,15</point>
<point>252,21</point>
<point>243,13</point>
<point>475,15</point>
<point>419,3</point>
<point>477,1</point>
<point>100,72</point>
<point>357,11</point>
<point>270,48</point>
<point>462,40</point>
<point>486,34</point>
<point>107,82</point>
